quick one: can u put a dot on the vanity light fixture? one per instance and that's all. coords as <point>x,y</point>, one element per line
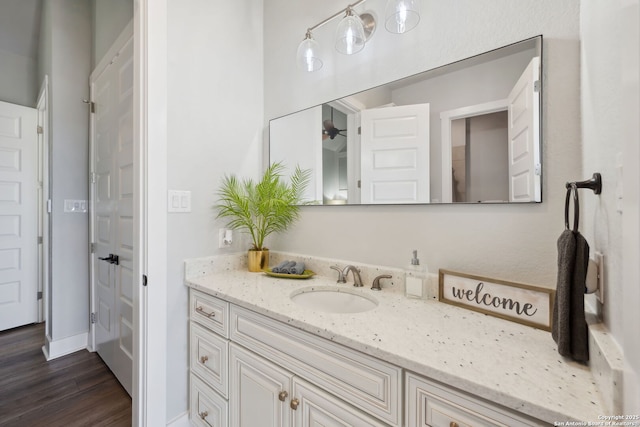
<point>352,33</point>
<point>401,16</point>
<point>355,29</point>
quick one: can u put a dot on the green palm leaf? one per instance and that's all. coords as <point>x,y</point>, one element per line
<point>268,206</point>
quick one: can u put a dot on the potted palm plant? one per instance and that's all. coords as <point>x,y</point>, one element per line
<point>260,208</point>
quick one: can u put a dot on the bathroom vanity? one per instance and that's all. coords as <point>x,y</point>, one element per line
<point>259,357</point>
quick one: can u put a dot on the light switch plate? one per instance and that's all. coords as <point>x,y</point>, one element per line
<point>179,201</point>
<point>75,206</point>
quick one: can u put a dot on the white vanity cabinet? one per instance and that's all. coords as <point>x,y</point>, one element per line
<point>432,404</point>
<point>250,370</point>
<point>263,394</point>
<point>255,371</point>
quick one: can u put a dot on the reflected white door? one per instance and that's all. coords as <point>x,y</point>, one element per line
<point>18,215</point>
<point>524,137</point>
<point>395,154</point>
<point>112,214</point>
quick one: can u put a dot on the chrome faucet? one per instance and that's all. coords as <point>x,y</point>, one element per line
<point>357,280</point>
<point>376,282</point>
<point>341,278</point>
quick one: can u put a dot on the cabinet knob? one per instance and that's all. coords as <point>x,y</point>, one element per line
<point>204,414</point>
<point>204,313</point>
<point>294,404</point>
<point>453,424</point>
<point>283,396</point>
<point>204,359</point>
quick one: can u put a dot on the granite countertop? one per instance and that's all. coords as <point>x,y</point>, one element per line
<point>504,362</point>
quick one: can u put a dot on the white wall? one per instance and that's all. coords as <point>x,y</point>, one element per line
<point>18,79</point>
<point>65,53</point>
<point>109,17</point>
<point>610,111</point>
<point>509,242</point>
<point>215,127</point>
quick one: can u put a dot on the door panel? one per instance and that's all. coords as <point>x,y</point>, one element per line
<point>112,217</point>
<point>18,215</point>
<point>395,154</point>
<point>524,137</point>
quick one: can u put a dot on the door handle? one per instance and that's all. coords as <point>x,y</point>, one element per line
<point>111,259</point>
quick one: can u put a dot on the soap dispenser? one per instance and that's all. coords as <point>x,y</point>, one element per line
<point>415,278</point>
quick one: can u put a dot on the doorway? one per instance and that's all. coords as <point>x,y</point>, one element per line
<point>479,153</point>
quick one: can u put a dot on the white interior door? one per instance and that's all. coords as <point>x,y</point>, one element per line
<point>395,154</point>
<point>524,137</point>
<point>112,213</point>
<point>18,215</point>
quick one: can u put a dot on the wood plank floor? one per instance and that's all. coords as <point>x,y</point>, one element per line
<point>73,390</point>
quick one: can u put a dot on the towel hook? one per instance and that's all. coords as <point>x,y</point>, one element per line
<point>572,187</point>
<point>594,184</point>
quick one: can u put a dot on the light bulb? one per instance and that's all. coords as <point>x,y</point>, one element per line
<point>402,15</point>
<point>308,57</point>
<point>350,36</point>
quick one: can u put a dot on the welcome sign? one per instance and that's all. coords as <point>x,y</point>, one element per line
<point>529,305</point>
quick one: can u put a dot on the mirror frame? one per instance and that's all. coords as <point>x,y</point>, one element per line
<point>490,106</point>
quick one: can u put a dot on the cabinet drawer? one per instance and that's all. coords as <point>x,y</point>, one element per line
<point>208,357</point>
<point>363,381</point>
<point>318,408</point>
<point>210,312</point>
<point>435,405</point>
<point>207,409</point>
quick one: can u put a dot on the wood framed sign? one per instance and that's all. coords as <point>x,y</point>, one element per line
<point>529,305</point>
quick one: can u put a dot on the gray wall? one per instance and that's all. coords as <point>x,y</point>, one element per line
<point>214,125</point>
<point>610,109</point>
<point>503,241</point>
<point>489,158</point>
<point>108,19</point>
<point>18,79</point>
<point>65,52</point>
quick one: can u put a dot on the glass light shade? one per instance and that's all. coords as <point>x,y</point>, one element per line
<point>350,36</point>
<point>308,57</point>
<point>401,16</point>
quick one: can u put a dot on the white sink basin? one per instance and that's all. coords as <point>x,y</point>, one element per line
<point>333,300</point>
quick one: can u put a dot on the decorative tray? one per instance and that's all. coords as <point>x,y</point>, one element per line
<point>305,274</point>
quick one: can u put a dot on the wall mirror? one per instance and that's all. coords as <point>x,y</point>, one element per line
<point>467,132</point>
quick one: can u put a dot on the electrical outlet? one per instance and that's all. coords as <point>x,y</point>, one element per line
<point>599,258</point>
<point>225,238</point>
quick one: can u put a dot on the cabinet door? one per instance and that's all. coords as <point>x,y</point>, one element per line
<point>313,407</point>
<point>259,392</point>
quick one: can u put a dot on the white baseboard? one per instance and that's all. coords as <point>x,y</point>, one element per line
<point>180,421</point>
<point>53,349</point>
